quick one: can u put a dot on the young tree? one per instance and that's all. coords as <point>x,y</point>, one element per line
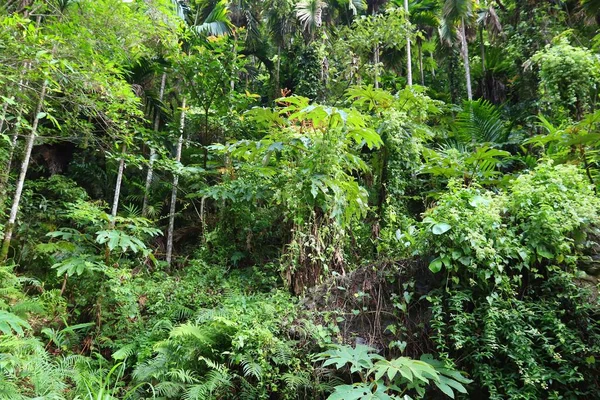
<point>459,12</point>
<point>45,66</point>
<point>175,184</point>
<point>152,157</point>
<point>408,53</point>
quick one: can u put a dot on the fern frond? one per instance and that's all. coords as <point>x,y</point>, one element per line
<point>124,352</point>
<point>9,322</point>
<point>183,376</point>
<point>251,368</point>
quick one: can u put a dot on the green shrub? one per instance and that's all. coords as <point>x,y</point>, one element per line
<point>508,307</point>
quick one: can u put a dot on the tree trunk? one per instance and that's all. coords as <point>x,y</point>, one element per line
<point>482,45</point>
<point>8,229</point>
<point>408,52</point>
<point>152,150</point>
<point>465,53</point>
<point>278,74</point>
<point>376,62</point>
<point>420,48</point>
<point>174,190</point>
<point>8,165</point>
<point>13,143</point>
<point>4,112</point>
<point>115,205</point>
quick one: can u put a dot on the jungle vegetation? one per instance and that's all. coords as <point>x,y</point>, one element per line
<point>299,199</point>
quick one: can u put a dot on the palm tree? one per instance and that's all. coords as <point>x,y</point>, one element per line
<point>280,27</point>
<point>487,19</point>
<point>310,14</point>
<point>175,185</point>
<point>591,8</point>
<point>459,12</point>
<point>424,16</point>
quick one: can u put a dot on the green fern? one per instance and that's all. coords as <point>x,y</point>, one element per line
<point>9,322</point>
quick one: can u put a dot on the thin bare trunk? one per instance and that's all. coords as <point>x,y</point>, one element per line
<point>408,53</point>
<point>232,80</point>
<point>420,47</point>
<point>13,142</point>
<point>3,118</point>
<point>174,190</point>
<point>115,205</point>
<point>482,45</point>
<point>376,62</point>
<point>150,172</point>
<point>465,53</point>
<point>376,59</point>
<point>8,229</point>
<point>277,74</point>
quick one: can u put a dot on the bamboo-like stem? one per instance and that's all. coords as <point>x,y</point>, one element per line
<point>9,227</point>
<point>408,51</point>
<point>172,209</point>
<point>152,157</point>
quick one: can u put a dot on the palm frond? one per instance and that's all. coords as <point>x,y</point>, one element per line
<point>310,13</point>
<point>455,10</point>
<point>217,23</point>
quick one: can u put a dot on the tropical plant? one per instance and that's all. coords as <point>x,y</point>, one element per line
<point>459,12</point>
<point>393,379</point>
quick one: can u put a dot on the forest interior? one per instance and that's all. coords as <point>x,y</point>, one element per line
<point>299,199</point>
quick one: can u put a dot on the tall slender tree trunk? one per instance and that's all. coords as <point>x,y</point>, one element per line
<point>408,51</point>
<point>3,118</point>
<point>376,62</point>
<point>5,174</point>
<point>150,172</point>
<point>10,224</point>
<point>174,190</point>
<point>278,74</point>
<point>482,46</point>
<point>465,54</point>
<point>420,48</point>
<point>232,80</point>
<point>375,59</point>
<point>115,204</point>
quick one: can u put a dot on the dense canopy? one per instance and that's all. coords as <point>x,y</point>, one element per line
<point>299,199</point>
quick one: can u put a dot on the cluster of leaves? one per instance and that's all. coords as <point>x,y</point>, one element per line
<point>240,348</point>
<point>509,308</point>
<point>569,78</point>
<point>389,379</point>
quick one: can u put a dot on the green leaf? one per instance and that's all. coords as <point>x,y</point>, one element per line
<point>436,265</point>
<point>440,228</point>
<point>9,322</point>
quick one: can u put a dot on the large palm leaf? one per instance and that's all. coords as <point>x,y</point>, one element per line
<point>310,13</point>
<point>217,22</point>
<point>591,7</point>
<point>488,19</point>
<point>455,10</point>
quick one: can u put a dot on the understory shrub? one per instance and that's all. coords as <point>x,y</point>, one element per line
<point>509,309</point>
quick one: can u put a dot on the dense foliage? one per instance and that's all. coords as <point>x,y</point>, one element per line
<point>299,199</point>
